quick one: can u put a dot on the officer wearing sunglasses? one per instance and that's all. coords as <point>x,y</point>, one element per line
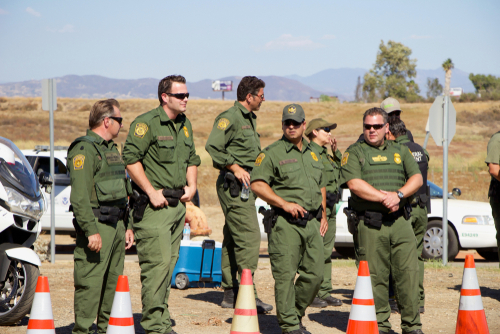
<point>382,175</point>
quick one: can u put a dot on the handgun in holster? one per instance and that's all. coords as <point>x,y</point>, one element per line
<point>352,218</point>
<point>172,195</point>
<point>407,211</point>
<point>77,227</point>
<point>138,202</point>
<point>231,183</point>
<point>269,219</point>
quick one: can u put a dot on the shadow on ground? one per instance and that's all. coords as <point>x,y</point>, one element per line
<point>331,319</point>
<point>213,297</point>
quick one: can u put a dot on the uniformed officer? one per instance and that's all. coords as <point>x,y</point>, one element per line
<point>161,160</point>
<point>397,132</point>
<point>381,176</point>
<point>288,175</point>
<point>493,162</point>
<point>318,132</point>
<point>98,200</point>
<point>234,145</point>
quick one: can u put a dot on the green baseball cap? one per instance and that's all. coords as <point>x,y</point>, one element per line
<point>319,123</point>
<point>390,104</point>
<point>293,112</point>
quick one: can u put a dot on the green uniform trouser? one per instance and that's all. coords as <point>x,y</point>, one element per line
<point>392,247</point>
<point>295,249</point>
<point>158,238</point>
<point>96,275</point>
<point>495,209</point>
<point>328,243</point>
<point>240,247</point>
<point>419,223</point>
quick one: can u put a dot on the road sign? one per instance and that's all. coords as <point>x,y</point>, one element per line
<point>456,91</point>
<point>49,94</point>
<point>225,86</point>
<point>436,121</point>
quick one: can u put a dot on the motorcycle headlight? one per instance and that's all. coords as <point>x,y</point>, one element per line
<point>478,220</point>
<point>24,206</point>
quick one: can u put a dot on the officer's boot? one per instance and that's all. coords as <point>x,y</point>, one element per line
<point>416,331</point>
<point>262,307</point>
<point>303,329</point>
<point>229,300</point>
<point>332,301</point>
<point>318,303</point>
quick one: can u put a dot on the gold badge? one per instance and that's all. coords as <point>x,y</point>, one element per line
<point>186,132</point>
<point>314,156</point>
<point>78,161</point>
<point>140,130</point>
<point>379,158</point>
<point>223,123</point>
<point>397,158</point>
<point>259,159</point>
<point>345,157</point>
<point>292,110</point>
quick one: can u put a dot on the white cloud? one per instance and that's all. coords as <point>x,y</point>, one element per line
<point>3,12</point>
<point>328,37</point>
<point>33,12</point>
<point>68,28</point>
<point>287,41</point>
<point>420,36</point>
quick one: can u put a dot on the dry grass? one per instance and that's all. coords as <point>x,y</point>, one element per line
<point>27,125</point>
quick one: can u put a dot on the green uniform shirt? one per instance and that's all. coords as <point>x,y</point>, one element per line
<point>294,175</point>
<point>234,138</point>
<point>332,167</point>
<point>404,139</point>
<point>165,148</point>
<point>353,161</point>
<point>493,156</point>
<point>83,163</point>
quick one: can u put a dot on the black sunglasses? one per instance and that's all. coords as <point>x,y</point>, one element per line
<point>326,129</point>
<point>375,126</point>
<point>289,122</point>
<point>180,96</point>
<point>118,119</point>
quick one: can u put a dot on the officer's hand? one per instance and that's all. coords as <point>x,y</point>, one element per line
<point>333,144</point>
<point>294,209</point>
<point>243,176</point>
<point>157,200</point>
<point>391,199</point>
<point>189,193</point>
<point>95,242</point>
<point>129,239</point>
<point>323,227</point>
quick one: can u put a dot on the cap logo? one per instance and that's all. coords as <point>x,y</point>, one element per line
<point>292,110</point>
<point>388,105</point>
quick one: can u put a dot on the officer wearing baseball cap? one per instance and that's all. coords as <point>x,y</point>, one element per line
<point>288,175</point>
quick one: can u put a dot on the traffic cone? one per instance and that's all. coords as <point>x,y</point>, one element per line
<point>121,320</point>
<point>41,318</point>
<point>363,319</point>
<point>245,312</point>
<point>471,317</point>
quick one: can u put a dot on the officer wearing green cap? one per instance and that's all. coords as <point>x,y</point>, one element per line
<point>493,162</point>
<point>234,145</point>
<point>318,132</point>
<point>161,160</point>
<point>288,175</point>
<point>99,189</point>
<point>381,175</point>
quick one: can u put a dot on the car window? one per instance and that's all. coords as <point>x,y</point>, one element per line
<point>59,166</point>
<point>436,192</point>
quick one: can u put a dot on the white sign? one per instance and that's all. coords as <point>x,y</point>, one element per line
<point>436,118</point>
<point>456,91</point>
<point>49,94</point>
<point>225,86</point>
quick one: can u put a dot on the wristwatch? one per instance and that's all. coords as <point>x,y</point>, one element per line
<point>400,195</point>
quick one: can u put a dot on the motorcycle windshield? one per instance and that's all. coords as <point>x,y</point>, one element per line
<point>16,171</point>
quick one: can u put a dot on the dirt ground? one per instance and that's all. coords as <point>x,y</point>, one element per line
<point>197,309</point>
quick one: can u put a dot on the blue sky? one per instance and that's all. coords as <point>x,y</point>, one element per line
<point>212,39</point>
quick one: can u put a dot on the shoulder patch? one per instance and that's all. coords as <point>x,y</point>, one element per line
<point>186,132</point>
<point>223,123</point>
<point>140,130</point>
<point>397,158</point>
<point>78,161</point>
<point>313,155</point>
<point>345,157</point>
<point>259,159</point>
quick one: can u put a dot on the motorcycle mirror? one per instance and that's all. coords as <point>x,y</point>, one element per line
<point>46,181</point>
<point>456,192</point>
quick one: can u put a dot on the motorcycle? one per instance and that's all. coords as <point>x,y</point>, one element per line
<point>22,204</point>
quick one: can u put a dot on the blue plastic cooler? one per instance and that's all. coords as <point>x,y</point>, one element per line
<point>199,265</point>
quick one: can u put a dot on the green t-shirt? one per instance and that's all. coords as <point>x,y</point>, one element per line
<point>294,175</point>
<point>234,138</point>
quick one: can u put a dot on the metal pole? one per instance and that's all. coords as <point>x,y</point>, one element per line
<point>426,139</point>
<point>52,173</point>
<point>445,179</point>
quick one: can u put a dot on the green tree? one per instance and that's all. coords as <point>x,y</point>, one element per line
<point>391,74</point>
<point>325,98</point>
<point>434,88</point>
<point>447,67</point>
<point>484,82</point>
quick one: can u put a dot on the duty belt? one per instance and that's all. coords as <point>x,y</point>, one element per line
<point>301,221</point>
<point>385,216</point>
<point>109,214</point>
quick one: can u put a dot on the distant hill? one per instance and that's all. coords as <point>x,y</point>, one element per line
<point>95,86</point>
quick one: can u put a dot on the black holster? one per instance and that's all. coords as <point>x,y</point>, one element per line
<point>352,218</point>
<point>138,202</point>
<point>172,195</point>
<point>109,214</point>
<point>373,218</point>
<point>269,219</point>
<point>332,199</point>
<point>231,183</point>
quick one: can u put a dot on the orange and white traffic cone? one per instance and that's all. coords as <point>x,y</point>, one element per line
<point>41,318</point>
<point>363,319</point>
<point>471,317</point>
<point>245,319</point>
<point>121,320</point>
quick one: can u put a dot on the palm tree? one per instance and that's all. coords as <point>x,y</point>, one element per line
<point>447,67</point>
